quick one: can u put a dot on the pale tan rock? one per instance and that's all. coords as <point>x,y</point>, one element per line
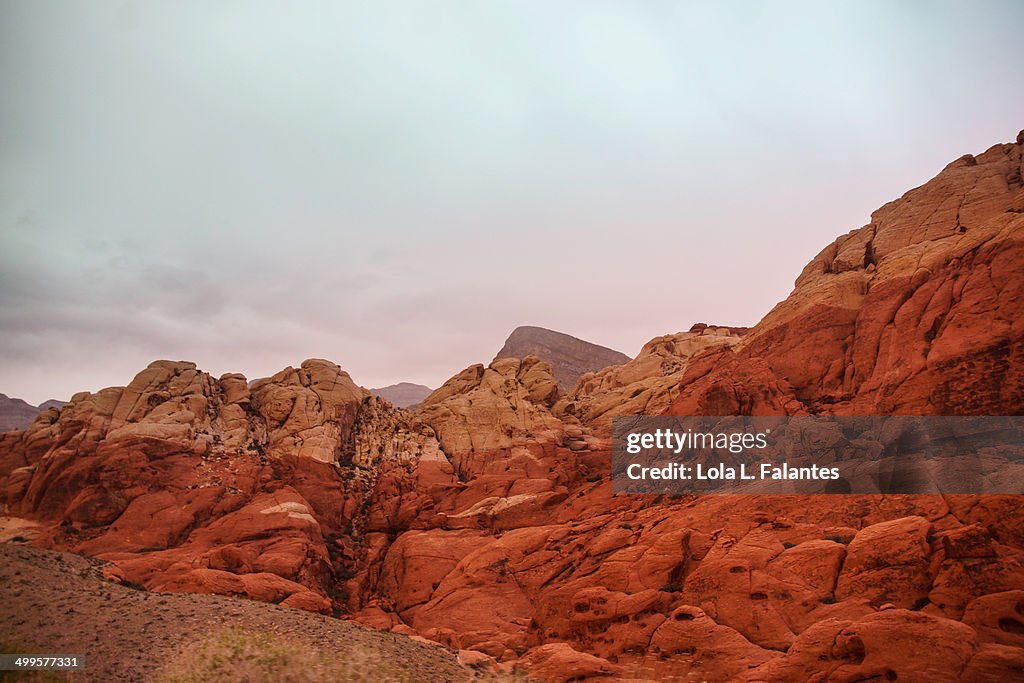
<point>645,385</point>
<point>310,411</point>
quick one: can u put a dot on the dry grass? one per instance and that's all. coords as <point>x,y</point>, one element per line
<point>234,655</point>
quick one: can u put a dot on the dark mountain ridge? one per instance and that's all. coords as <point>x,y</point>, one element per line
<point>570,357</point>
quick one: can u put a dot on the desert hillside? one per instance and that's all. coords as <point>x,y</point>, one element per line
<point>60,602</point>
<point>484,519</point>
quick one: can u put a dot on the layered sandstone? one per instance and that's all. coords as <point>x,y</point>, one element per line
<point>919,312</point>
<point>189,482</point>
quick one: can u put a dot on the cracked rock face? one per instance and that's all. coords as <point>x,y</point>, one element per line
<point>484,520</point>
<point>918,312</point>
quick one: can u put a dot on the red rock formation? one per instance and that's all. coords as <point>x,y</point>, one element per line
<point>919,312</point>
<point>485,519</point>
<point>193,483</point>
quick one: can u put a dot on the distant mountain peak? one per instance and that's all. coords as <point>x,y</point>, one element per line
<point>403,394</point>
<point>570,357</point>
<point>15,413</point>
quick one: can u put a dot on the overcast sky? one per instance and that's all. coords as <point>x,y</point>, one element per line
<point>397,185</point>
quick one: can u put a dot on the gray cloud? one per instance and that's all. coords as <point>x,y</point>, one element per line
<point>395,186</point>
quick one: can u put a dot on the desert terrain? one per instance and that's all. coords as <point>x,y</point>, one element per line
<point>483,520</point>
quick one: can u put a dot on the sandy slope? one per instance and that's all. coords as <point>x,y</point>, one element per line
<point>59,603</point>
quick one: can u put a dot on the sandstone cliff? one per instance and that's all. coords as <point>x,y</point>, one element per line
<point>917,312</point>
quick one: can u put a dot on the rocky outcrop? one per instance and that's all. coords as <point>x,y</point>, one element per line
<point>570,358</point>
<point>649,383</point>
<point>188,482</point>
<point>403,394</point>
<point>920,312</point>
<point>891,645</point>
